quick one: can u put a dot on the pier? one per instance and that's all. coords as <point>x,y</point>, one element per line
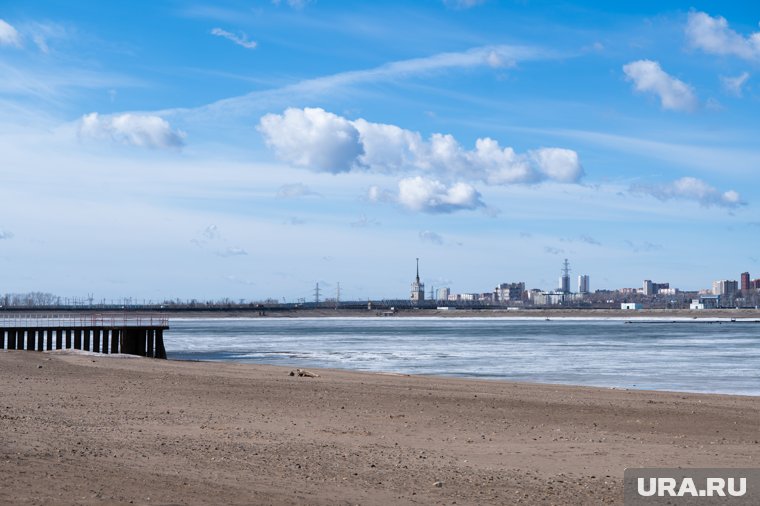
<point>99,333</point>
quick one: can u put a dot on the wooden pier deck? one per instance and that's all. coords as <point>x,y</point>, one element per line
<point>99,333</point>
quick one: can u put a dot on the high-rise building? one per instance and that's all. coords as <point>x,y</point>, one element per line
<point>443,294</point>
<point>583,283</point>
<point>648,288</point>
<point>418,288</point>
<point>745,282</point>
<point>725,287</point>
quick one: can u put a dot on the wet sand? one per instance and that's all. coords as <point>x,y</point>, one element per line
<point>91,429</point>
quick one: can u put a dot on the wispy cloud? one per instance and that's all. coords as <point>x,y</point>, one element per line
<point>690,188</point>
<point>296,4</point>
<point>6,234</point>
<point>9,36</point>
<point>232,252</point>
<point>431,237</point>
<point>713,35</point>
<point>648,77</point>
<point>735,85</point>
<point>365,222</point>
<point>483,56</point>
<point>241,40</point>
<point>295,190</point>
<point>462,4</point>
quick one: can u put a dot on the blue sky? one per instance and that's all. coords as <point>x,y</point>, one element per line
<point>249,149</point>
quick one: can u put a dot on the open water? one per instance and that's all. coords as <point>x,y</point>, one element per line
<point>690,356</point>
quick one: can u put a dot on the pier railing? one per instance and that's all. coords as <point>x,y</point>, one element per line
<point>84,320</point>
<point>100,333</point>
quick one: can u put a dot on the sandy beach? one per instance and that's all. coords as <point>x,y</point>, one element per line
<point>91,429</point>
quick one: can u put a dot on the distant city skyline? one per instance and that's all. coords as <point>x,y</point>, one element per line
<point>250,149</point>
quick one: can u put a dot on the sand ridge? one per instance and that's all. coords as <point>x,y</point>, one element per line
<point>84,429</point>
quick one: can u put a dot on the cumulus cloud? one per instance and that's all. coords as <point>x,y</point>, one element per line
<point>322,141</point>
<point>432,196</point>
<point>431,237</point>
<point>713,35</point>
<point>735,85</point>
<point>241,40</point>
<point>137,130</point>
<point>9,35</point>
<point>313,139</point>
<point>690,188</point>
<point>648,77</point>
<point>295,190</point>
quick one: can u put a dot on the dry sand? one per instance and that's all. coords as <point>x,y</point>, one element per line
<point>92,429</point>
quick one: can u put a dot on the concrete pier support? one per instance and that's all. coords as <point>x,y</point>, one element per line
<point>115,337</point>
<point>135,336</point>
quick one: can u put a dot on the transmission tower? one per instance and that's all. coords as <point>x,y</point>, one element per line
<point>316,293</point>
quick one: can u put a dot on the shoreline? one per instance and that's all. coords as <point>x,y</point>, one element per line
<point>443,377</point>
<point>87,429</point>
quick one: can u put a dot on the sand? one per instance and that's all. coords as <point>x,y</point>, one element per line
<point>92,429</point>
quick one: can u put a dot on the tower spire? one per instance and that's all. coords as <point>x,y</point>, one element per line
<point>418,270</point>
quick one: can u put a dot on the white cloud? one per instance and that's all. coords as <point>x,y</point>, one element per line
<point>483,56</point>
<point>295,190</point>
<point>431,196</point>
<point>296,4</point>
<point>240,40</point>
<point>232,252</point>
<point>735,85</point>
<point>648,77</point>
<point>463,4</point>
<point>131,129</point>
<point>690,188</point>
<point>431,237</point>
<point>313,139</point>
<point>6,234</point>
<point>712,35</point>
<point>9,35</point>
<point>323,141</point>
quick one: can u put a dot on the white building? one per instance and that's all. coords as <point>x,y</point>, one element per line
<point>506,292</point>
<point>631,306</point>
<point>443,294</point>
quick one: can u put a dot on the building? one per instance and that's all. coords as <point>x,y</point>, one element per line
<point>583,283</point>
<point>418,288</point>
<point>745,282</point>
<point>650,288</point>
<point>725,287</point>
<point>630,306</point>
<point>443,294</point>
<point>509,292</point>
<point>705,302</point>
